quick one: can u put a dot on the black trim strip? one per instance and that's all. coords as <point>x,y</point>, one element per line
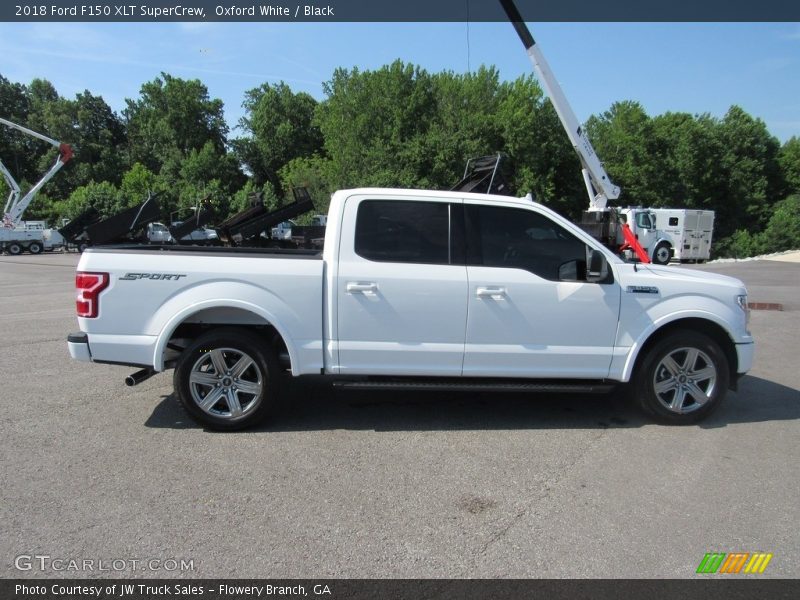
<point>122,364</point>
<point>299,254</point>
<point>78,338</point>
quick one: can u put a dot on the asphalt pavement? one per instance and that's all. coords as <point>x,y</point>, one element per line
<point>361,484</point>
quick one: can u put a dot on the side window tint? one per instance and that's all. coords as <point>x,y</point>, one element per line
<point>523,239</point>
<point>403,231</point>
<point>673,221</point>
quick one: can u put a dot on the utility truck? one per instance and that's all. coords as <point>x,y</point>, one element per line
<point>15,236</point>
<point>632,231</point>
<point>684,233</point>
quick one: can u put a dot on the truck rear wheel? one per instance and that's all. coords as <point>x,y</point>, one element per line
<point>661,254</point>
<point>14,249</point>
<point>682,379</point>
<point>226,379</point>
<point>35,248</point>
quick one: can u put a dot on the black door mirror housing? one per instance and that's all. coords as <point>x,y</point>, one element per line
<point>597,268</point>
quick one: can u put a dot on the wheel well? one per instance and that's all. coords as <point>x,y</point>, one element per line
<point>206,320</point>
<point>709,328</point>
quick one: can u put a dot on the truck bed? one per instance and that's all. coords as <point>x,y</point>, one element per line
<point>152,289</point>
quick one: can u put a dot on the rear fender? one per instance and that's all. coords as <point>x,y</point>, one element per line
<point>270,309</point>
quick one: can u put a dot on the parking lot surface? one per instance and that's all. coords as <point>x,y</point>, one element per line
<point>346,484</point>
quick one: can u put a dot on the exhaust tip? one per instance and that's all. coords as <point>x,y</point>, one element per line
<point>138,377</point>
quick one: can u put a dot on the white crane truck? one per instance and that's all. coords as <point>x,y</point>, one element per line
<point>629,230</point>
<point>15,236</point>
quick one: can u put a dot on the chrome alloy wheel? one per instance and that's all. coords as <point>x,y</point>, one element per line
<point>685,380</point>
<point>226,383</point>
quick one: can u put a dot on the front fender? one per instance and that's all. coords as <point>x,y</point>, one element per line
<point>635,334</point>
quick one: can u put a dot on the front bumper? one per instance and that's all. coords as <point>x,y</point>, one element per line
<point>78,345</point>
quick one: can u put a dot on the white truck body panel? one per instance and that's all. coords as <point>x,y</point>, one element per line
<point>342,314</point>
<point>288,296</point>
<point>689,231</point>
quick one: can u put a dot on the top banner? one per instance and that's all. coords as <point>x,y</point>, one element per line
<point>398,10</point>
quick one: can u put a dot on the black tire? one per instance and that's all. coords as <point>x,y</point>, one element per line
<point>14,249</point>
<point>35,248</point>
<point>197,378</point>
<point>687,388</point>
<point>661,254</point>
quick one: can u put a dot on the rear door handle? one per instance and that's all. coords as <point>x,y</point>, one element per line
<point>354,287</point>
<point>496,293</point>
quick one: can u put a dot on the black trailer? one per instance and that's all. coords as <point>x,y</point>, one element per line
<point>203,216</point>
<point>245,228</point>
<point>124,225</point>
<point>74,232</point>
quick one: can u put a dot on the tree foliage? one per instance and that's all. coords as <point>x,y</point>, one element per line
<point>279,127</point>
<point>402,126</point>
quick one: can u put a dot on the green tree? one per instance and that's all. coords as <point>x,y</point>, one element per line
<point>280,128</point>
<point>14,146</point>
<point>783,229</point>
<point>374,124</point>
<point>789,160</point>
<point>313,173</point>
<point>172,117</point>
<point>544,161</point>
<point>623,137</point>
<point>749,160</point>
<point>103,196</point>
<point>138,182</point>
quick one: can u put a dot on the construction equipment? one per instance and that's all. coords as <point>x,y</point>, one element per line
<point>14,236</point>
<point>483,175</point>
<point>124,224</point>
<point>74,231</point>
<point>182,232</point>
<point>604,223</point>
<point>248,226</point>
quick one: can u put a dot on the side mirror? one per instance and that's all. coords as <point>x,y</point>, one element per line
<point>597,269</point>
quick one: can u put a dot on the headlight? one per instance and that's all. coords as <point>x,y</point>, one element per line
<point>742,302</point>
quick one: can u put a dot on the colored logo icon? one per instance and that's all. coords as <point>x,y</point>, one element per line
<point>734,562</point>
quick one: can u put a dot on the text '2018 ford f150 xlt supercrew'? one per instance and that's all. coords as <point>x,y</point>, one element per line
<point>415,289</point>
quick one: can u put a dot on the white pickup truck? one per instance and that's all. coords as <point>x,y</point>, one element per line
<point>415,289</point>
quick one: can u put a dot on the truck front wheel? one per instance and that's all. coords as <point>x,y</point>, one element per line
<point>661,254</point>
<point>682,378</point>
<point>226,379</point>
<point>35,248</point>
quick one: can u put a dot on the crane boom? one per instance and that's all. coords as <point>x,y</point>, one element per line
<point>15,206</point>
<point>598,185</point>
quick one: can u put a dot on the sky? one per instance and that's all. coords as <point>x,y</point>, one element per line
<point>687,67</point>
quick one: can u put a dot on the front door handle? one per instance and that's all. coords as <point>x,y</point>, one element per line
<point>496,293</point>
<point>354,287</point>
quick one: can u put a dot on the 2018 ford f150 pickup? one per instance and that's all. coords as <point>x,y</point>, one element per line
<point>415,289</point>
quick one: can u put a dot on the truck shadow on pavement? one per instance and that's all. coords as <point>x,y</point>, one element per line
<point>313,404</point>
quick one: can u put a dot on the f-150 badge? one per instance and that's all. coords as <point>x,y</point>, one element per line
<point>642,289</point>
